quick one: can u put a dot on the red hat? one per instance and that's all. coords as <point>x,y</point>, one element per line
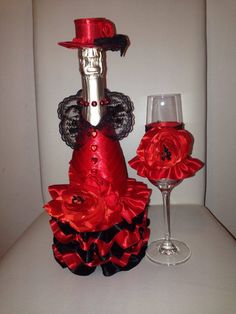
<point>89,29</point>
<point>97,32</point>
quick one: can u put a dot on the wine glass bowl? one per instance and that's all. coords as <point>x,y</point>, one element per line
<point>164,108</point>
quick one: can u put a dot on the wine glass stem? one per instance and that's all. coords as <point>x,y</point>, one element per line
<point>166,213</point>
<point>167,247</point>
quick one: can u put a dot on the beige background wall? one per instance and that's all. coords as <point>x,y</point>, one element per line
<point>221,117</point>
<point>20,191</point>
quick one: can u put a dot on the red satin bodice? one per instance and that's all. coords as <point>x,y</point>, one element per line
<point>99,155</point>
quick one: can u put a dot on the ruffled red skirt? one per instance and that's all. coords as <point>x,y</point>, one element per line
<point>100,217</point>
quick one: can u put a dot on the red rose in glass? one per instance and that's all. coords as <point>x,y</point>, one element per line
<point>167,148</point>
<point>164,153</point>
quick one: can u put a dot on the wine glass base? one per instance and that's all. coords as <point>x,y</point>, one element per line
<point>180,254</point>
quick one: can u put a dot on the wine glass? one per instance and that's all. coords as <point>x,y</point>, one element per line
<point>167,111</point>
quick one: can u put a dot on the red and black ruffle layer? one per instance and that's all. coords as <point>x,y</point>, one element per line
<point>120,247</point>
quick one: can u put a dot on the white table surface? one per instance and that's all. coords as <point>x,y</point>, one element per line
<point>31,282</point>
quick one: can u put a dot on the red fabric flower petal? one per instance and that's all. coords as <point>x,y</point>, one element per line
<point>56,190</point>
<point>54,208</point>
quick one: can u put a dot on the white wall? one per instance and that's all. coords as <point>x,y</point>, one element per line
<point>221,117</point>
<point>167,55</point>
<point>20,194</point>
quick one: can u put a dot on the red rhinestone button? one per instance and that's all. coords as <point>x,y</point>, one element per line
<point>94,160</point>
<point>94,147</point>
<point>94,133</point>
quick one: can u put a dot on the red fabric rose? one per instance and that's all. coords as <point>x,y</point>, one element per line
<point>90,205</point>
<point>164,153</point>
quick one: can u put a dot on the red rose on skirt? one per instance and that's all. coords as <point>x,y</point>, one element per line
<point>87,206</point>
<point>164,153</point>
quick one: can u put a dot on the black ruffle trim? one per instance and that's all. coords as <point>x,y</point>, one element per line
<point>108,268</point>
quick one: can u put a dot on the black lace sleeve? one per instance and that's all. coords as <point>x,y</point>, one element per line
<point>119,117</point>
<point>69,112</point>
<point>120,113</point>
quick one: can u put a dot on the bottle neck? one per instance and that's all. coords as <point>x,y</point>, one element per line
<point>93,88</point>
<point>92,68</point>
